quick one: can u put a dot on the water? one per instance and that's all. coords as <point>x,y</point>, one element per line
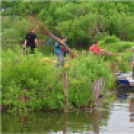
<point>114,118</point>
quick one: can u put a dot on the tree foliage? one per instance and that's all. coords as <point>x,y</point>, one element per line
<point>82,22</point>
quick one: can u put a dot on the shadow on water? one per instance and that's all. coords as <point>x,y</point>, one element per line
<point>74,122</point>
<point>130,98</point>
<point>105,118</point>
<point>132,110</point>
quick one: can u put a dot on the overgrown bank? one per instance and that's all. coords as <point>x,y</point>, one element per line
<point>30,82</point>
<point>43,83</point>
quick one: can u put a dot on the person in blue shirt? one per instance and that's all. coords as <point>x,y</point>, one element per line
<point>60,52</point>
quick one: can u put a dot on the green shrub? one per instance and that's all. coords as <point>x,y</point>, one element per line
<point>44,83</point>
<point>100,36</point>
<point>119,46</point>
<point>44,88</point>
<point>84,72</point>
<point>109,39</point>
<point>125,62</point>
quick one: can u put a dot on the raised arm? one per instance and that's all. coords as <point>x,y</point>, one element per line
<point>90,48</point>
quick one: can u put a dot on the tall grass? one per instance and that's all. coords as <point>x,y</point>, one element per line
<point>114,44</point>
<point>43,83</point>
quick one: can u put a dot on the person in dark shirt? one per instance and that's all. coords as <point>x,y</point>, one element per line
<point>31,40</point>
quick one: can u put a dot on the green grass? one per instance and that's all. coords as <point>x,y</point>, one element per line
<point>121,47</point>
<point>118,47</point>
<point>44,83</point>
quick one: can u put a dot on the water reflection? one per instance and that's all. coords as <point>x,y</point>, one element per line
<point>132,109</point>
<point>96,115</point>
<point>119,121</point>
<point>65,123</point>
<point>75,122</point>
<point>124,97</point>
<point>95,121</point>
<point>103,119</point>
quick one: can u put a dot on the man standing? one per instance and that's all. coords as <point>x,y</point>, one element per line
<point>60,52</point>
<point>31,40</point>
<point>132,59</point>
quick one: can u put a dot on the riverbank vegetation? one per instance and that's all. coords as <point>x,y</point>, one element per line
<point>43,83</point>
<point>114,44</point>
<point>32,82</point>
<point>48,122</point>
<point>82,22</point>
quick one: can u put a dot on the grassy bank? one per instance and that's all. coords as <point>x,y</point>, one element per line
<point>38,81</point>
<point>114,44</point>
<point>33,82</point>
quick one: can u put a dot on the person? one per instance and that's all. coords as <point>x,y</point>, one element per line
<point>31,40</point>
<point>90,48</point>
<point>94,47</point>
<point>60,52</point>
<point>132,59</point>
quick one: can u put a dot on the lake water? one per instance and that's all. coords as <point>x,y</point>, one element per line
<point>114,118</point>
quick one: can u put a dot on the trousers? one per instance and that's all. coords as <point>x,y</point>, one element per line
<point>32,50</point>
<point>60,59</point>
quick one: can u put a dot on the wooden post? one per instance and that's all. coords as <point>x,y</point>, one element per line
<point>95,121</point>
<point>95,91</point>
<point>98,87</point>
<point>65,124</point>
<point>65,90</point>
<point>102,85</point>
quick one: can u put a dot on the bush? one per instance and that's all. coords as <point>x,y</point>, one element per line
<point>43,83</point>
<point>43,88</point>
<point>125,62</point>
<point>115,45</point>
<point>84,72</point>
<point>110,39</point>
<point>100,36</point>
<point>14,31</point>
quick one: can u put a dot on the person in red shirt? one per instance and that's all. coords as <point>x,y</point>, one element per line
<point>94,47</point>
<point>90,48</point>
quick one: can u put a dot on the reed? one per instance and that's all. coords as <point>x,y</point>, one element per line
<point>44,30</point>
